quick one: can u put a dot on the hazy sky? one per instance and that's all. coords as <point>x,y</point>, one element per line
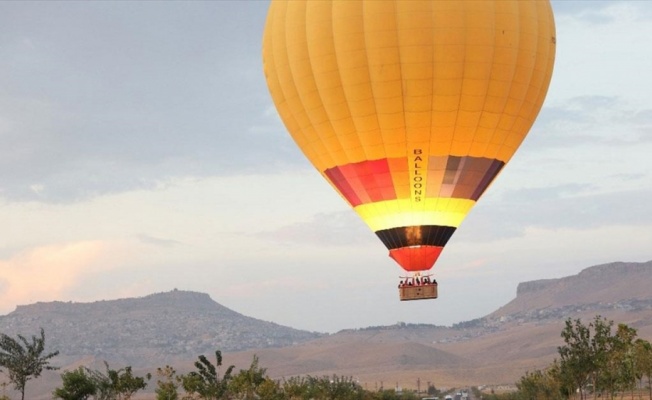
<point>140,152</point>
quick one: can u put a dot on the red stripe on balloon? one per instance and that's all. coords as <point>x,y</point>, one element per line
<point>363,182</point>
<point>416,258</point>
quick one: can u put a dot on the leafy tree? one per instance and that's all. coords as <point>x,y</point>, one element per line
<point>539,385</point>
<point>623,358</point>
<point>614,362</point>
<point>270,390</point>
<point>78,384</point>
<point>309,387</point>
<point>82,383</point>
<point>295,388</point>
<point>564,384</point>
<point>344,388</point>
<point>168,387</point>
<point>531,385</point>
<point>643,351</point>
<point>613,357</point>
<point>206,382</point>
<point>602,347</point>
<point>24,360</point>
<point>577,361</point>
<point>246,384</point>
<point>433,391</point>
<point>118,384</point>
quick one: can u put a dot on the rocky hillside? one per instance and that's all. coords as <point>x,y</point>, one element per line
<point>161,327</point>
<point>603,287</point>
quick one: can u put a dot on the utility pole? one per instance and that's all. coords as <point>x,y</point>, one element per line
<point>418,385</point>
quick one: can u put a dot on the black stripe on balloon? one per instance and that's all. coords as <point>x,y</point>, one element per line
<point>422,235</point>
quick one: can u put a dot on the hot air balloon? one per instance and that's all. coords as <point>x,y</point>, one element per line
<point>409,109</point>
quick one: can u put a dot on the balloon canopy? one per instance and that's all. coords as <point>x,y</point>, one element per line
<point>409,109</point>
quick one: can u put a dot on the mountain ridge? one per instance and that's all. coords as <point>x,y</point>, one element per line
<point>601,284</point>
<point>498,348</point>
<point>160,325</point>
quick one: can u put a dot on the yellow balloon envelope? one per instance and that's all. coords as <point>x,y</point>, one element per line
<point>409,109</point>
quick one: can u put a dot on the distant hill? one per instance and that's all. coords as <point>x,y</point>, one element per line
<point>605,286</point>
<point>498,348</point>
<point>174,327</point>
<point>526,332</point>
<point>155,329</point>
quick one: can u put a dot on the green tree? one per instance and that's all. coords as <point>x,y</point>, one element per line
<point>118,384</point>
<point>339,387</point>
<point>643,351</point>
<point>322,388</point>
<point>613,357</point>
<point>613,362</point>
<point>624,358</point>
<point>23,359</point>
<point>564,383</point>
<point>543,385</point>
<point>532,385</point>
<point>168,384</point>
<point>295,388</point>
<point>246,384</point>
<point>433,391</point>
<point>577,361</point>
<point>602,348</point>
<point>206,383</point>
<point>77,384</point>
<point>270,390</point>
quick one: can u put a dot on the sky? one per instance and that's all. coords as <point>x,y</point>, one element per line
<point>140,152</point>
